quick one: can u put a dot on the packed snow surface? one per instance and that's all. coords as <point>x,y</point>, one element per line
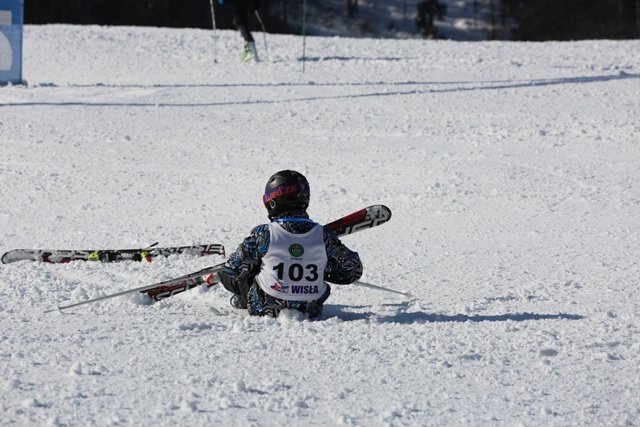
<point>512,170</point>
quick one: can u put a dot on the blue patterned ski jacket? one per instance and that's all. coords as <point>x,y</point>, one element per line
<point>242,266</point>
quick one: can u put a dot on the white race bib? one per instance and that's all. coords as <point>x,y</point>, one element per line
<point>293,267</point>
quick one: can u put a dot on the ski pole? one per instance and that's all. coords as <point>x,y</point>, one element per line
<point>62,307</point>
<point>406,295</point>
<point>215,40</point>
<point>166,283</point>
<point>264,34</point>
<point>304,33</point>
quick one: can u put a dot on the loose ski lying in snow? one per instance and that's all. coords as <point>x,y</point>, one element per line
<point>363,219</point>
<point>108,255</point>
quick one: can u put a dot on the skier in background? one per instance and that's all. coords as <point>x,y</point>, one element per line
<point>243,11</point>
<point>285,263</point>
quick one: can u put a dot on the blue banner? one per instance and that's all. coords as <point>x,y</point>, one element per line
<point>11,20</point>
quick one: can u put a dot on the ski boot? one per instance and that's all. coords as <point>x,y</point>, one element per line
<point>249,53</point>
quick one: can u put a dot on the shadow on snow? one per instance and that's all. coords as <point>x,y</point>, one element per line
<point>421,317</point>
<point>458,87</point>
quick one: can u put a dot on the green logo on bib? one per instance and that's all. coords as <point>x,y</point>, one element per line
<point>296,250</point>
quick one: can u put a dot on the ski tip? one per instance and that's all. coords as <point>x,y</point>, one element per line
<point>12,256</point>
<point>382,210</point>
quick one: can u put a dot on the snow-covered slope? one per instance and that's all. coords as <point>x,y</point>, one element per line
<point>511,169</point>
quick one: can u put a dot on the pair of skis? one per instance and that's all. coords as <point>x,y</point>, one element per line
<point>363,219</point>
<point>108,255</point>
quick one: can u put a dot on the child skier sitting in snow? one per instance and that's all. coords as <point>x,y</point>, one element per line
<point>285,263</point>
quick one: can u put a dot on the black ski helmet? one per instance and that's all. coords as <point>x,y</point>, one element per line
<point>286,190</point>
